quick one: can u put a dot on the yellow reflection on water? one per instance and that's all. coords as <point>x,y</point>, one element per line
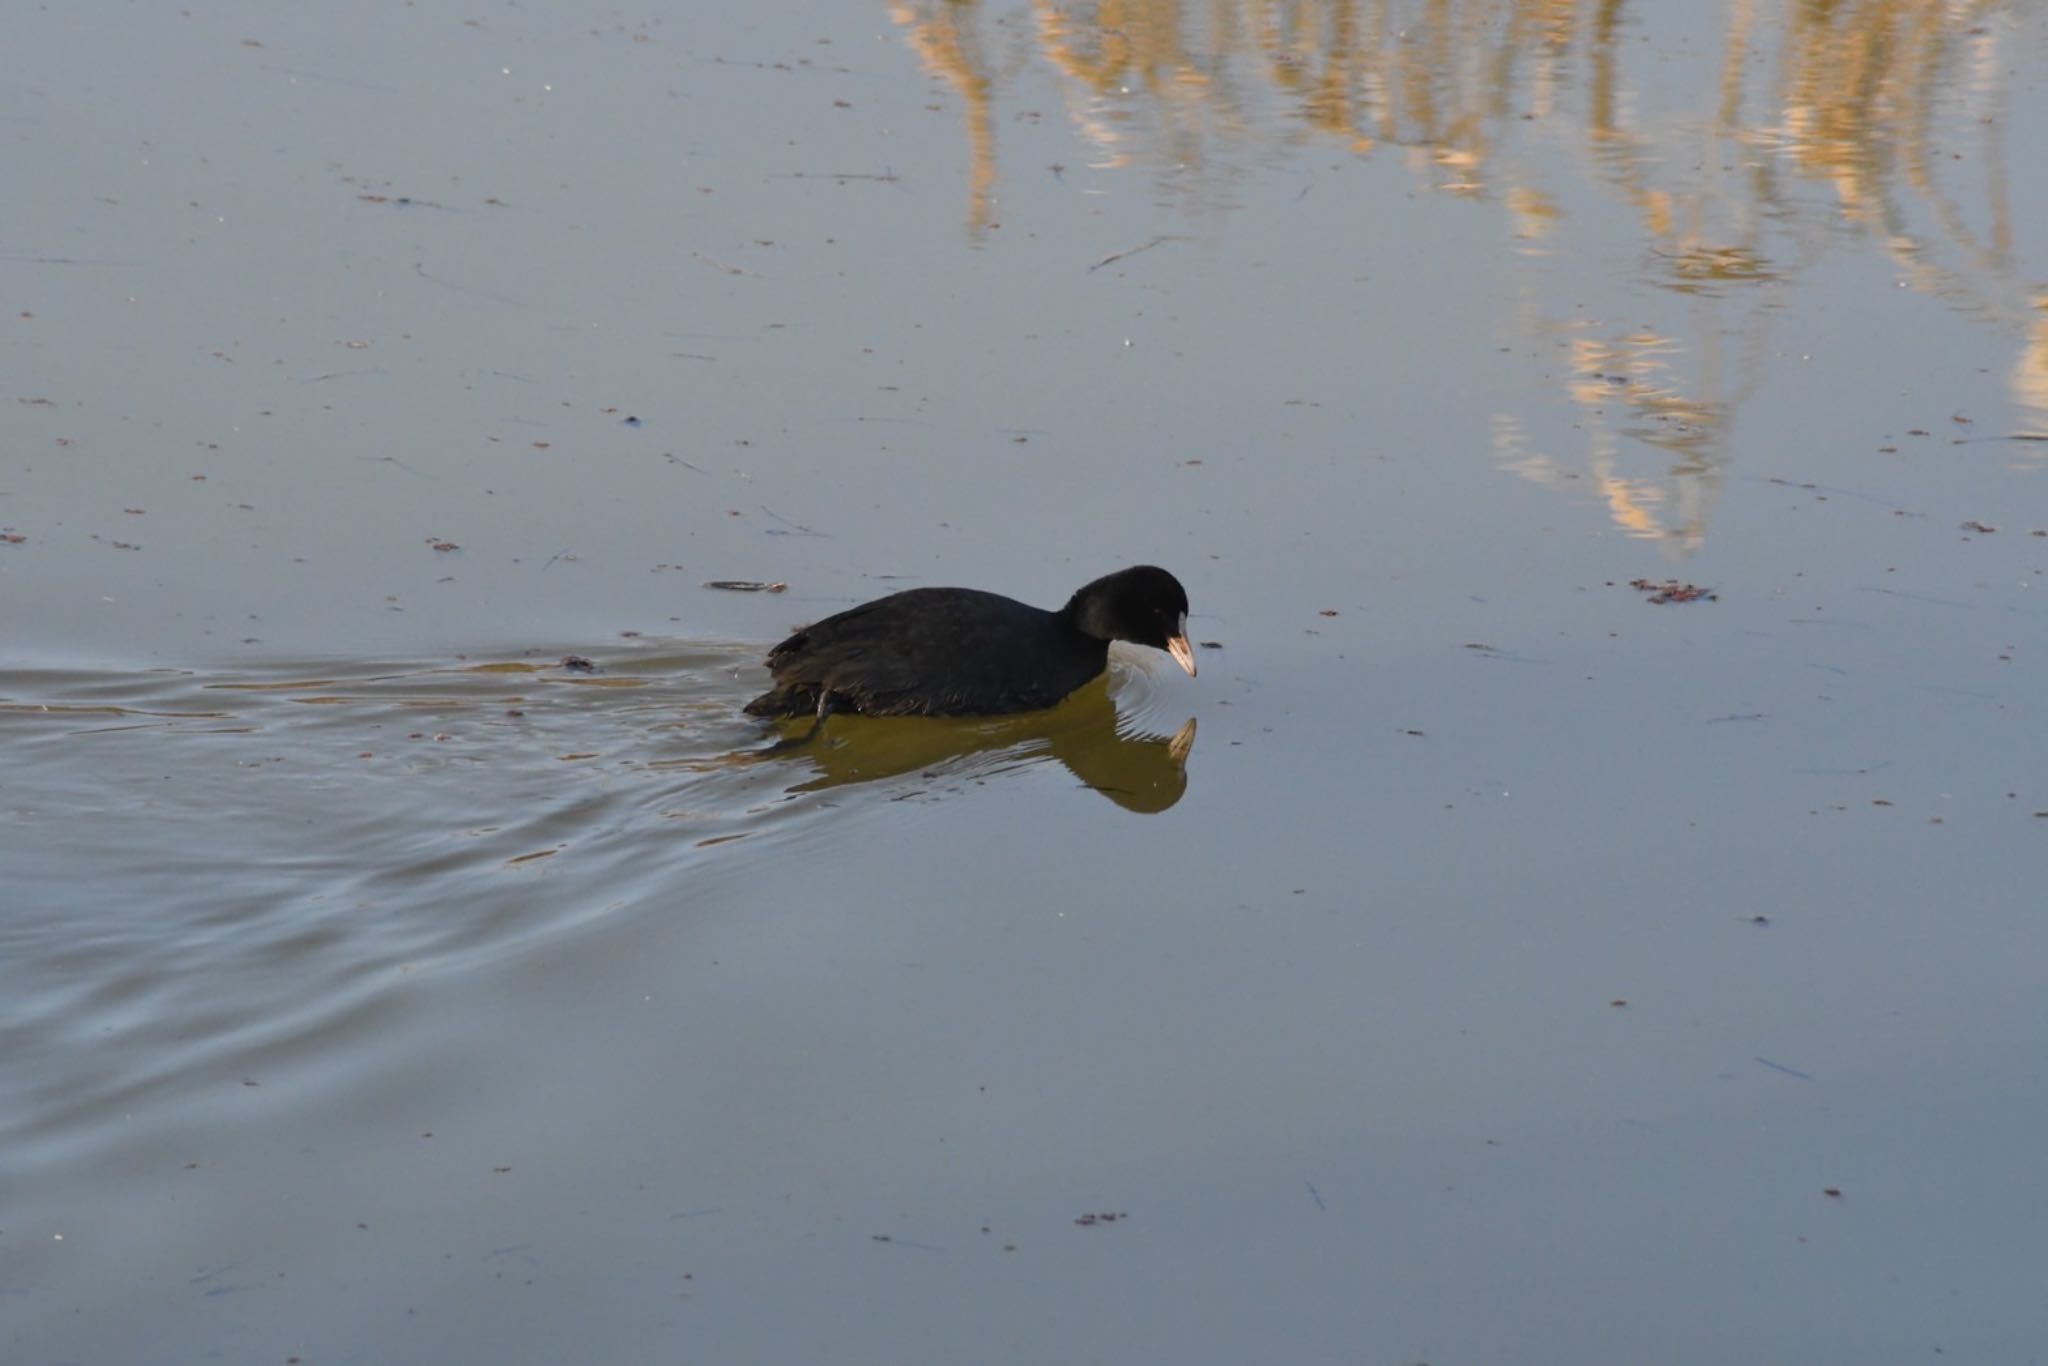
<point>1737,165</point>
<point>942,39</point>
<point>2030,378</point>
<point>1850,94</point>
<point>1143,773</point>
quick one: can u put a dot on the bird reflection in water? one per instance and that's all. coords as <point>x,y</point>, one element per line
<point>1142,773</point>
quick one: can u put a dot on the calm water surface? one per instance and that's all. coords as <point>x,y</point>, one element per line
<point>408,953</point>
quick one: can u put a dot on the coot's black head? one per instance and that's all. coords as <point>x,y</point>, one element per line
<point>1144,605</point>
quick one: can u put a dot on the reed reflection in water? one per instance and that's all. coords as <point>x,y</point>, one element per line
<point>1878,127</point>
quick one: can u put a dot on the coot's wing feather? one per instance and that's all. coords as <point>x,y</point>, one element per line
<point>870,618</point>
<point>928,651</point>
<point>972,665</point>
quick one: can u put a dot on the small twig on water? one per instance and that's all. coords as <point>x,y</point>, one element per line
<point>1133,251</point>
<point>797,528</point>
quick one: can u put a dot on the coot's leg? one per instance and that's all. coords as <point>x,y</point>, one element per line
<point>825,709</point>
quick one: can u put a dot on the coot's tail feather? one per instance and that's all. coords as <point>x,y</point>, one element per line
<point>788,699</point>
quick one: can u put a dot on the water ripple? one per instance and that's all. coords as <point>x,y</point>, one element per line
<point>243,879</point>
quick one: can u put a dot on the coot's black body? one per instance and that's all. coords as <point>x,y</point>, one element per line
<point>963,652</point>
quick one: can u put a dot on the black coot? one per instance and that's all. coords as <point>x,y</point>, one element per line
<point>963,652</point>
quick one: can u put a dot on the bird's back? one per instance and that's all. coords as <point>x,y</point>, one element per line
<point>931,651</point>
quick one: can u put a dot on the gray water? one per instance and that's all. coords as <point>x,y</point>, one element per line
<point>410,953</point>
